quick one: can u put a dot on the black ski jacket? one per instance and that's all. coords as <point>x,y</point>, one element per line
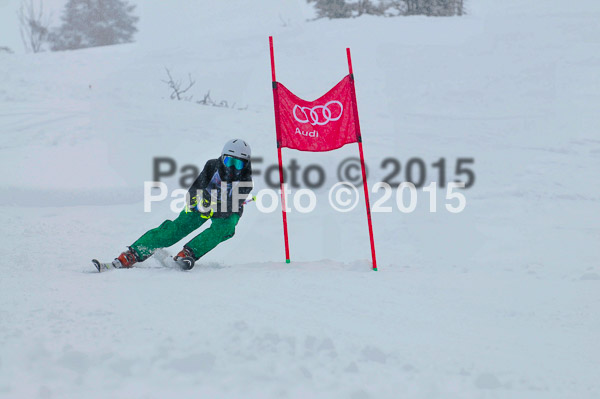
<point>209,182</point>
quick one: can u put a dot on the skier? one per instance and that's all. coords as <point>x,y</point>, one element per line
<point>204,202</point>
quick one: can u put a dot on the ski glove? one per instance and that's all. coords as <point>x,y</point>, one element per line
<point>205,210</point>
<point>206,215</point>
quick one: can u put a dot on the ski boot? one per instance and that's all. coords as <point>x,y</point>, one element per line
<point>185,259</point>
<point>124,261</point>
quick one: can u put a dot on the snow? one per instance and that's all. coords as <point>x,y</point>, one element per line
<point>499,301</point>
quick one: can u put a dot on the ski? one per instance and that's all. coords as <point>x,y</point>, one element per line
<point>167,260</point>
<point>161,256</point>
<point>103,266</point>
<point>186,263</point>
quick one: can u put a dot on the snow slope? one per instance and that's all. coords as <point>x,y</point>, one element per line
<point>499,301</point>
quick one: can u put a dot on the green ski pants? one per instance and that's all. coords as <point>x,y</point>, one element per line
<point>171,231</point>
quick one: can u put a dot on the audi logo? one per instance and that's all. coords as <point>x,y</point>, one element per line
<point>317,115</point>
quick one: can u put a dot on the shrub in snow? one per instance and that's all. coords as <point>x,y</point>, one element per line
<point>440,8</point>
<point>354,8</point>
<point>91,23</point>
<point>332,8</point>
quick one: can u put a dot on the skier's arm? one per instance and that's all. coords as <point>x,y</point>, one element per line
<point>247,177</point>
<point>242,190</point>
<point>196,191</point>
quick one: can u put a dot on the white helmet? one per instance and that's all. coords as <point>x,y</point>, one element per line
<point>237,148</point>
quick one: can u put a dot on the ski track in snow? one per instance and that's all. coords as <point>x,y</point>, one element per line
<point>500,301</point>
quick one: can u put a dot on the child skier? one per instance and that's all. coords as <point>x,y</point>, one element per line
<point>231,172</point>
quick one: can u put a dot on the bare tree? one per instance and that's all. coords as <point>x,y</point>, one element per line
<point>207,100</point>
<point>177,93</point>
<point>34,25</point>
<point>176,86</point>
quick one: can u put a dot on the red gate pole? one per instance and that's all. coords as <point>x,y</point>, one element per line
<point>362,160</point>
<point>278,132</point>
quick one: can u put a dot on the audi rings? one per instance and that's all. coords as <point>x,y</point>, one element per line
<point>314,117</point>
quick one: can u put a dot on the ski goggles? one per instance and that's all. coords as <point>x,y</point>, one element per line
<point>235,162</point>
